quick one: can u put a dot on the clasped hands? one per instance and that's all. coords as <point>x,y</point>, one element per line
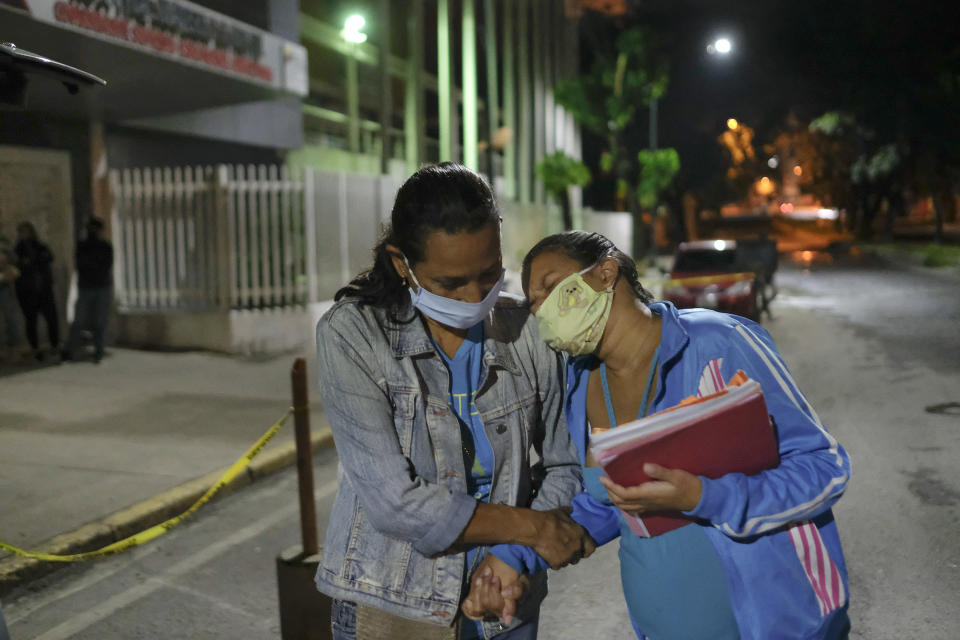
<point>496,587</point>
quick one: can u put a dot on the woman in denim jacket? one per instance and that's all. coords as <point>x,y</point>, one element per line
<point>436,386</point>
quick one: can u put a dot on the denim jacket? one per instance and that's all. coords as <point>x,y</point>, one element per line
<point>402,499</point>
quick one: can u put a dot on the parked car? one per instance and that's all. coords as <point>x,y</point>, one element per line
<point>713,274</point>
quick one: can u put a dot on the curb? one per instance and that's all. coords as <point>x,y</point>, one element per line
<point>910,262</point>
<point>16,571</point>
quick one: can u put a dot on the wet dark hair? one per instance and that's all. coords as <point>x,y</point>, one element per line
<point>445,197</point>
<point>586,248</point>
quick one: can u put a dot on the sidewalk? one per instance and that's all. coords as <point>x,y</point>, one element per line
<point>79,442</point>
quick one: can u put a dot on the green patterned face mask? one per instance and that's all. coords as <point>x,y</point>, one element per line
<point>573,316</point>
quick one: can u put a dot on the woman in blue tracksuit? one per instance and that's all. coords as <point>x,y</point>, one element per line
<point>763,559</point>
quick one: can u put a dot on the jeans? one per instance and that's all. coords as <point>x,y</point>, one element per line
<point>343,620</point>
<point>343,624</point>
<point>9,312</point>
<point>92,311</point>
<point>36,302</point>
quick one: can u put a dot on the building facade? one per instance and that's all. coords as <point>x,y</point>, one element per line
<point>246,153</point>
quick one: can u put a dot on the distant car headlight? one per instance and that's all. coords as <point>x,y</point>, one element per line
<point>741,288</point>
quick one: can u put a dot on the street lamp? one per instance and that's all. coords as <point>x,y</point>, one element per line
<point>351,29</point>
<point>721,46</point>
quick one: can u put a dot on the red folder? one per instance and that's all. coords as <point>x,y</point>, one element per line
<point>726,432</point>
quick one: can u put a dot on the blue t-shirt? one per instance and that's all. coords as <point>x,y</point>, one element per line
<point>465,369</point>
<point>674,584</point>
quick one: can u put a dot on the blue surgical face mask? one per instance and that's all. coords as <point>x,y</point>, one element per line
<point>450,312</point>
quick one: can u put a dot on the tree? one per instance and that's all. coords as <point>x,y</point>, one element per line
<point>559,172</point>
<point>902,82</point>
<point>744,169</point>
<point>629,71</point>
<point>657,170</point>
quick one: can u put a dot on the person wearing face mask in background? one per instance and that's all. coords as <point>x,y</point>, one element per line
<point>437,386</point>
<point>763,559</point>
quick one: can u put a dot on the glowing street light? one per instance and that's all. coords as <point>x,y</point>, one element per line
<point>351,29</point>
<point>720,46</point>
<point>732,124</point>
<point>765,186</point>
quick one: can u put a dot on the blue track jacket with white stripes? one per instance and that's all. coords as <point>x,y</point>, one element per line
<point>774,532</point>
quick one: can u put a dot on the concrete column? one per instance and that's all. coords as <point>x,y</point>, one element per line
<point>572,41</point>
<point>539,103</point>
<point>509,100</point>
<point>571,37</point>
<point>549,65</point>
<point>468,47</point>
<point>353,102</point>
<point>493,90</point>
<point>559,72</point>
<point>386,88</point>
<point>557,56</point>
<point>414,125</point>
<point>523,132</point>
<point>444,79</point>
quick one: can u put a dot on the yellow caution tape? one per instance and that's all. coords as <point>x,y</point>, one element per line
<point>158,530</point>
<point>704,280</point>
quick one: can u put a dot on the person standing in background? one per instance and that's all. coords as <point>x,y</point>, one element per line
<point>95,290</point>
<point>8,276</point>
<point>35,287</point>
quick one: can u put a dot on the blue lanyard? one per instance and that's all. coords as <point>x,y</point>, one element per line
<point>646,390</point>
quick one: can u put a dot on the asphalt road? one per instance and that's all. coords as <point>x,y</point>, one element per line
<point>876,350</point>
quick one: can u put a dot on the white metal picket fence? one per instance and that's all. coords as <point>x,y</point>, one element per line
<point>241,237</point>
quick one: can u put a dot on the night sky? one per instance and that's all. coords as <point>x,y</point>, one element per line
<point>878,58</point>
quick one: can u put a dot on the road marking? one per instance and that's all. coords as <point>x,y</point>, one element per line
<point>81,621</point>
<point>24,611</point>
<point>17,612</point>
<point>236,611</point>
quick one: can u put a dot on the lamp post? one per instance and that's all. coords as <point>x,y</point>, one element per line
<point>352,34</point>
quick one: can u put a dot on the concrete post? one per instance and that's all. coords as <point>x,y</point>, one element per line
<point>539,103</point>
<point>444,79</point>
<point>509,101</point>
<point>493,93</point>
<point>522,135</point>
<point>414,126</point>
<point>310,210</point>
<point>549,64</point>
<point>468,70</point>
<point>386,88</point>
<point>225,232</point>
<point>353,102</point>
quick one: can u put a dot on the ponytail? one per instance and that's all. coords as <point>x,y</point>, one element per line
<point>380,285</point>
